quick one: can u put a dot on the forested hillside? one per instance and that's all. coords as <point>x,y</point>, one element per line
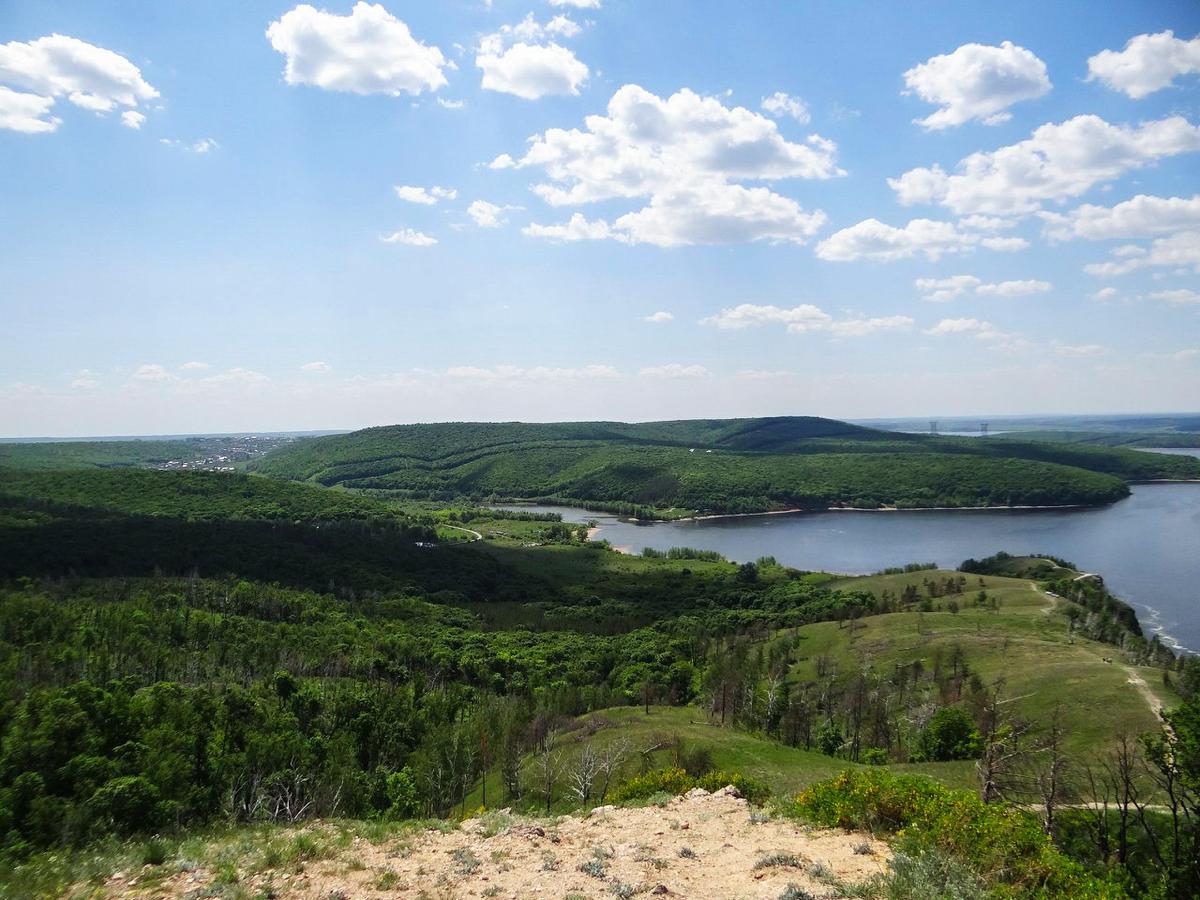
<point>720,466</point>
<point>186,650</point>
<point>92,454</point>
<point>1134,439</point>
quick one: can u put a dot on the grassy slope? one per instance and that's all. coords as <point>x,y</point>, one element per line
<point>756,464</point>
<point>1025,644</point>
<point>785,769</point>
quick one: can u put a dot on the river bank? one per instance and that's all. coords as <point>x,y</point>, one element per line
<point>1146,544</point>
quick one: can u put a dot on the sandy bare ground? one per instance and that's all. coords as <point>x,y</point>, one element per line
<point>698,846</point>
<point>1139,684</point>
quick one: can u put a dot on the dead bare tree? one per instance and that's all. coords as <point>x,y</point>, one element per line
<point>612,757</point>
<point>1006,746</point>
<point>547,769</point>
<point>1099,788</point>
<point>582,775</point>
<point>1053,771</point>
<point>1121,771</point>
<point>774,682</point>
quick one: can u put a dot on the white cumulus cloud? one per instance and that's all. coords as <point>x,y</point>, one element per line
<point>977,82</point>
<point>1140,216</point>
<point>780,104</point>
<point>961,326</point>
<point>85,380</point>
<point>1177,297</point>
<point>508,373</point>
<point>201,147</point>
<point>1016,288</point>
<point>152,372</point>
<point>238,375</point>
<point>531,71</point>
<point>1180,250</point>
<point>527,61</point>
<point>41,70</point>
<point>943,290</point>
<point>1077,349</point>
<point>686,154</point>
<point>875,240</point>
<point>487,215</point>
<point>674,370</point>
<point>1149,63</point>
<point>660,316</point>
<point>369,51</point>
<point>410,237</point>
<point>1057,162</point>
<point>803,319</point>
<point>577,228</point>
<point>26,112</point>
<point>424,196</point>
<point>317,367</point>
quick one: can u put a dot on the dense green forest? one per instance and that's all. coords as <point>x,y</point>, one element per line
<point>721,466</point>
<point>92,454</point>
<point>184,649</point>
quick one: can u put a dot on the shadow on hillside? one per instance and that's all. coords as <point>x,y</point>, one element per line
<point>333,556</point>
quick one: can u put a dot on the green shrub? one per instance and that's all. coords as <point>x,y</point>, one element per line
<point>672,781</point>
<point>829,739</point>
<point>130,803</point>
<point>1002,845</point>
<point>950,734</point>
<point>676,781</point>
<point>926,873</point>
<point>403,795</point>
<point>154,852</point>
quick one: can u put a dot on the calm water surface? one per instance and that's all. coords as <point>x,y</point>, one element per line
<point>1147,546</point>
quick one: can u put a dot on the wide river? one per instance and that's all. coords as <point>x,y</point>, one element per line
<point>1146,546</point>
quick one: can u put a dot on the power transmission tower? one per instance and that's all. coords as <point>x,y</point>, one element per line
<point>983,429</point>
<point>933,426</point>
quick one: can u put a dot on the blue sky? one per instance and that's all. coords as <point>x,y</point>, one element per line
<point>253,215</point>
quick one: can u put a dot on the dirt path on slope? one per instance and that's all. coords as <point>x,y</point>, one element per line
<point>1051,599</point>
<point>1133,677</point>
<point>1142,688</point>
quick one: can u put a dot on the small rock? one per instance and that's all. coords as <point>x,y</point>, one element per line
<point>601,810</point>
<point>695,794</point>
<point>684,827</point>
<point>730,791</point>
<point>660,889</point>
